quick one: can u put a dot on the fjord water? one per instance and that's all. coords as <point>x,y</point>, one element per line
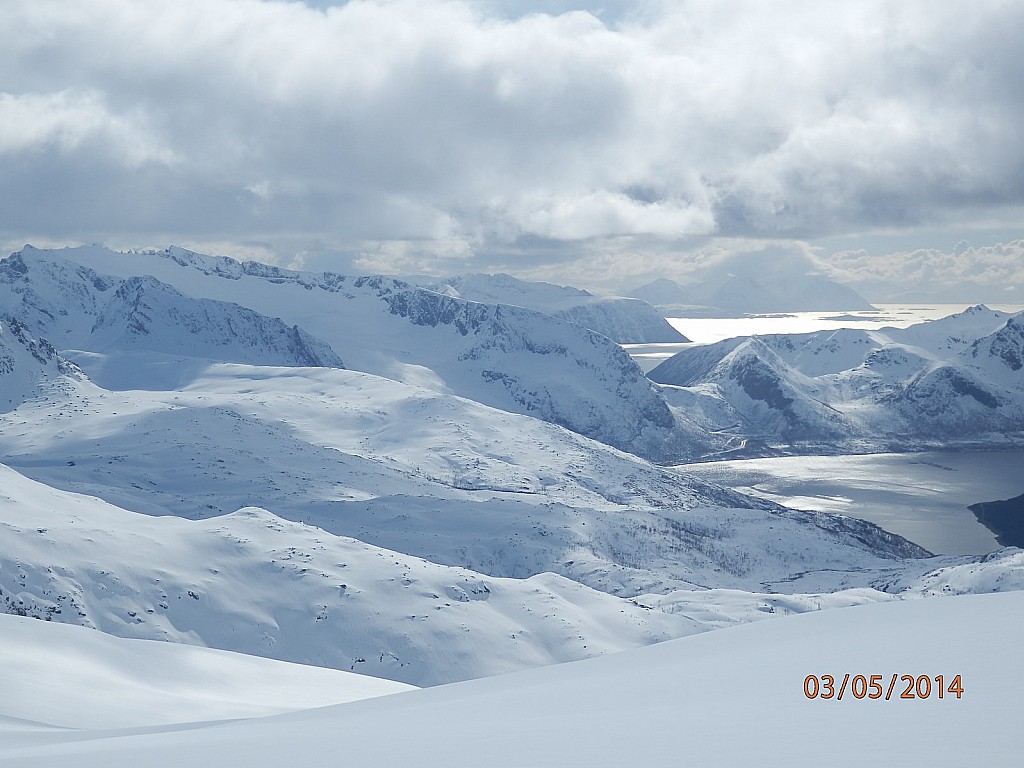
<point>921,496</point>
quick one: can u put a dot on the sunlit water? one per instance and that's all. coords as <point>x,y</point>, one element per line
<point>922,496</point>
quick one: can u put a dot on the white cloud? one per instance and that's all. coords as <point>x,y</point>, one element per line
<point>73,122</point>
<point>493,124</point>
<point>406,257</point>
<point>992,273</point>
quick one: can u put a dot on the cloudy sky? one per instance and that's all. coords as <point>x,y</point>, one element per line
<point>598,143</point>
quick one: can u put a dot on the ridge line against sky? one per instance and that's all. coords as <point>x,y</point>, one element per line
<point>593,143</point>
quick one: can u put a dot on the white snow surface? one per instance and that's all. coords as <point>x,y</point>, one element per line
<point>252,582</point>
<point>959,379</point>
<point>512,358</point>
<point>624,320</point>
<point>436,476</point>
<point>729,698</point>
<point>72,677</point>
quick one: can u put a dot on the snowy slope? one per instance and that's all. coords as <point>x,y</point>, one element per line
<point>80,309</point>
<point>27,365</point>
<point>954,333</point>
<point>509,357</point>
<point>432,475</point>
<point>1000,354</point>
<point>950,380</point>
<point>252,582</point>
<point>624,320</point>
<point>72,677</point>
<point>729,698</point>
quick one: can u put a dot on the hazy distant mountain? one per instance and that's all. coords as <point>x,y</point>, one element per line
<point>755,283</point>
<point>735,295</point>
<point>663,292</point>
<point>623,320</point>
<point>951,379</point>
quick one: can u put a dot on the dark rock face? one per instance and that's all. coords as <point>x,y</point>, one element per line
<point>1004,518</point>
<point>760,383</point>
<point>1005,345</point>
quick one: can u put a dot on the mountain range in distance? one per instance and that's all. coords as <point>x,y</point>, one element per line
<point>433,481</point>
<point>958,380</point>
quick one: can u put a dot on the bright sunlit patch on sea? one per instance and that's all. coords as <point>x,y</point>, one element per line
<point>922,496</point>
<point>708,330</point>
<point>711,329</point>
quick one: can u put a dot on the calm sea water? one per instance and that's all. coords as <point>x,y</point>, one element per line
<point>922,496</point>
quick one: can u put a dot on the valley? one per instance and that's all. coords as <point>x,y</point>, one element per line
<point>376,477</point>
<point>511,384</point>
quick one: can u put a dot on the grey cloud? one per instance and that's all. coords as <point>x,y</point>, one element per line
<point>457,130</point>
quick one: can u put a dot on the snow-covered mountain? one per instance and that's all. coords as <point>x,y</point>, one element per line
<point>435,476</point>
<point>952,379</point>
<point>623,320</point>
<point>1000,354</point>
<point>81,309</point>
<point>252,582</point>
<point>512,358</point>
<point>27,363</point>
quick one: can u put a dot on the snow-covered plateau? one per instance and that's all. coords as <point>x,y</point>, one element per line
<point>435,487</point>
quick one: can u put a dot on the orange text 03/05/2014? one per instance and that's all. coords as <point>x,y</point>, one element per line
<point>888,687</point>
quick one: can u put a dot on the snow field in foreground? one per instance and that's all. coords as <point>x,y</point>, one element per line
<point>72,677</point>
<point>729,698</point>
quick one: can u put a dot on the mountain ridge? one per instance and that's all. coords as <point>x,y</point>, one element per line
<point>951,379</point>
<point>624,320</point>
<point>508,357</point>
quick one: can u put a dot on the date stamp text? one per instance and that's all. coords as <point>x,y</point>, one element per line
<point>888,687</point>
